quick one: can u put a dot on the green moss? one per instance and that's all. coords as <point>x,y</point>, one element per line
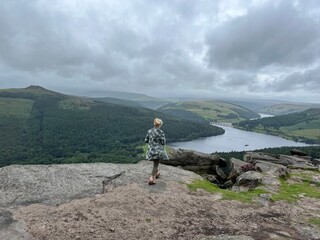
<point>315,221</point>
<point>287,192</point>
<point>292,192</point>
<point>226,194</point>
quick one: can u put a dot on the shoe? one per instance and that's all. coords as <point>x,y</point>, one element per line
<point>158,175</point>
<point>151,181</point>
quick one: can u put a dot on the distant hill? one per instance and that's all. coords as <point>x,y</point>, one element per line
<point>302,126</point>
<point>41,126</point>
<point>208,110</point>
<point>117,101</point>
<point>253,104</point>
<point>141,100</point>
<point>286,108</point>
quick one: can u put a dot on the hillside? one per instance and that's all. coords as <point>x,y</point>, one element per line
<point>203,110</point>
<point>41,126</point>
<point>287,108</point>
<point>130,99</point>
<point>303,126</point>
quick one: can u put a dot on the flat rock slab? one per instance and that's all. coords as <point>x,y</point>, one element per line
<point>56,184</point>
<point>229,237</point>
<point>11,229</point>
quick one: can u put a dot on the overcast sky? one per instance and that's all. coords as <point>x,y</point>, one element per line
<point>205,48</point>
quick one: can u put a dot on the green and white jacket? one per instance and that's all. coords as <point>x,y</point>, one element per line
<point>156,141</point>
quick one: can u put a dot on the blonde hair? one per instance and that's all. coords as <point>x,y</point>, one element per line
<point>157,122</point>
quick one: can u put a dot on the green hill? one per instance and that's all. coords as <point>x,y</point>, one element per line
<point>209,111</point>
<point>287,108</point>
<point>302,126</point>
<point>41,126</point>
<point>130,99</point>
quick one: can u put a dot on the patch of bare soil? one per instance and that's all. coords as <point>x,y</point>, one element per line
<point>132,212</point>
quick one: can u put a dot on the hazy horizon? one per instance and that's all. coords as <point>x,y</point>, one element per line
<point>257,49</point>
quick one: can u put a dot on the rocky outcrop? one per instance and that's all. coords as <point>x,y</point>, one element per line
<point>226,173</point>
<point>56,184</point>
<point>114,201</point>
<point>250,178</point>
<point>192,160</point>
<point>296,161</point>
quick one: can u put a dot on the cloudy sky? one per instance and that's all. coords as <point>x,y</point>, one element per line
<point>203,48</point>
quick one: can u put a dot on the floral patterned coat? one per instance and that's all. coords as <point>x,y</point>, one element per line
<point>156,141</point>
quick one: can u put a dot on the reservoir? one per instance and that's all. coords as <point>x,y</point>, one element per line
<point>235,140</point>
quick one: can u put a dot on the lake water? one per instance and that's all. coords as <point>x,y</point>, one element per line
<point>235,140</point>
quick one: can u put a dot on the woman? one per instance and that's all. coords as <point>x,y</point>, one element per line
<point>156,152</point>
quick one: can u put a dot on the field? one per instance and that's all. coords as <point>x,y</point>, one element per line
<point>15,107</point>
<point>303,126</point>
<point>214,110</point>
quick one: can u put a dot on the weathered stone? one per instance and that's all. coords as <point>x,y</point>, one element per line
<point>221,174</point>
<point>316,161</point>
<point>192,160</point>
<point>250,178</point>
<point>11,229</point>
<point>182,157</point>
<point>252,157</point>
<point>227,184</point>
<point>267,166</point>
<point>265,199</point>
<point>56,184</point>
<point>291,160</point>
<point>210,178</point>
<point>303,167</point>
<point>237,164</point>
<point>228,237</point>
<point>298,152</point>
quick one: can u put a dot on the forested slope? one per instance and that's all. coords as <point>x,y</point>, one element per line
<point>208,110</point>
<point>40,126</point>
<point>301,126</point>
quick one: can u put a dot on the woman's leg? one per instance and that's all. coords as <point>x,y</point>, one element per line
<point>155,167</point>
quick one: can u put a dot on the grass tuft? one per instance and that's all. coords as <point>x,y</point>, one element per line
<point>293,192</point>
<point>226,194</point>
<point>315,221</point>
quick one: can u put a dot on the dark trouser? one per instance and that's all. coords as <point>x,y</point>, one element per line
<point>155,167</point>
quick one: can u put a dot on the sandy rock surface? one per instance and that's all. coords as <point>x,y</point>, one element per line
<point>131,209</point>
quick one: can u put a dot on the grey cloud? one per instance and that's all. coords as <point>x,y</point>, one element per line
<point>308,80</point>
<point>272,34</point>
<point>153,46</point>
<point>239,79</point>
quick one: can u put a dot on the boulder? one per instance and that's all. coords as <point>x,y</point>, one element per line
<point>298,152</point>
<point>237,164</point>
<point>293,159</point>
<point>250,178</point>
<point>228,237</point>
<point>316,161</point>
<point>252,157</point>
<point>267,166</point>
<point>210,178</point>
<point>303,167</point>
<point>192,160</point>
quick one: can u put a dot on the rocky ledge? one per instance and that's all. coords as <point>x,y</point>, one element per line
<point>114,201</point>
